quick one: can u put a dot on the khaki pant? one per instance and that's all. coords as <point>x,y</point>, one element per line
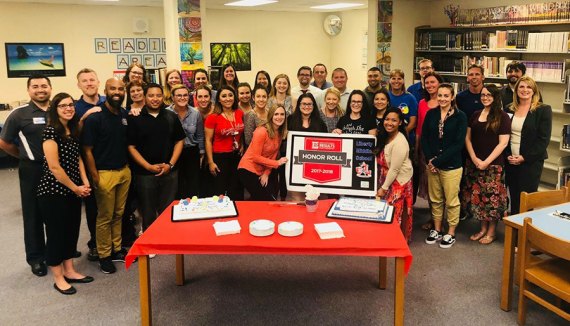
<point>111,195</point>
<point>443,188</point>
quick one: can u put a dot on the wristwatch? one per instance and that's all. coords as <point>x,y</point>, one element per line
<point>171,165</point>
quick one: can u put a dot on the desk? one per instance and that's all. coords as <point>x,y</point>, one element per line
<point>553,225</point>
<point>198,237</point>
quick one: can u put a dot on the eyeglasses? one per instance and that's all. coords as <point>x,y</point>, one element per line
<point>63,106</point>
<point>425,68</point>
<point>181,95</point>
<point>486,95</point>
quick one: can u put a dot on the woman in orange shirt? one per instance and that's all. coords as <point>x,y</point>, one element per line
<point>260,157</point>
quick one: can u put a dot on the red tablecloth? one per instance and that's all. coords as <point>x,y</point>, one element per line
<point>198,237</point>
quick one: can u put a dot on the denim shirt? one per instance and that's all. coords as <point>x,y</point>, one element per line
<point>193,127</point>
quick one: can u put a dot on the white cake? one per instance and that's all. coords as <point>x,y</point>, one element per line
<point>261,228</point>
<point>290,229</point>
<point>200,208</point>
<point>329,230</point>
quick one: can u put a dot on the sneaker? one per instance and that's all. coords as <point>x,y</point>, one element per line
<point>119,256</point>
<point>92,255</point>
<point>106,265</point>
<point>434,236</point>
<point>447,241</point>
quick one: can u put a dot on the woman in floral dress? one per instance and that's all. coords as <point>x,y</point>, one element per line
<point>485,193</point>
<point>395,176</point>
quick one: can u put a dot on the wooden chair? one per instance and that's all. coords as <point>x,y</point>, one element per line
<point>542,198</point>
<point>535,200</point>
<point>552,275</point>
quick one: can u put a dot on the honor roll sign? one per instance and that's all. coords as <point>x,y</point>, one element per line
<point>336,164</point>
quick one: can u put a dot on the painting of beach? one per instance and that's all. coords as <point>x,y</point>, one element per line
<point>25,59</point>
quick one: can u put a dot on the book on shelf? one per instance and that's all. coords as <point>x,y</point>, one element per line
<point>499,40</point>
<point>515,14</point>
<point>564,176</point>
<point>565,138</point>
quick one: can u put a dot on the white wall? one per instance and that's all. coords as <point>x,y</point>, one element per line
<point>281,42</point>
<point>76,27</point>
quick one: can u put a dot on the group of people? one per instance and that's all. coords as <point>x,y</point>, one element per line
<point>173,142</point>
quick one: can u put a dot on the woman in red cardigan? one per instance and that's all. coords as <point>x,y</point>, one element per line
<point>260,157</point>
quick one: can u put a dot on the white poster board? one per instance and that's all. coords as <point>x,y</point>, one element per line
<point>335,164</point>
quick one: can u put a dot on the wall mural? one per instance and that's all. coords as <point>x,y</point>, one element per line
<point>384,39</point>
<point>190,35</point>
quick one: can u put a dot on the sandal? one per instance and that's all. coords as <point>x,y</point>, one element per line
<point>477,236</point>
<point>427,226</point>
<point>488,239</point>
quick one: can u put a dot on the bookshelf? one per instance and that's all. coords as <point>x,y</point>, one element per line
<point>543,47</point>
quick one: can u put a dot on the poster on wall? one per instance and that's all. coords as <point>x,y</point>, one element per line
<point>335,164</point>
<point>384,39</point>
<point>238,54</point>
<point>26,59</point>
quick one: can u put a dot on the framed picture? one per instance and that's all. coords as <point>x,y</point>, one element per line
<point>114,45</point>
<point>135,58</point>
<point>123,61</point>
<point>240,54</point>
<point>154,45</point>
<point>128,45</point>
<point>160,61</point>
<point>101,45</point>
<point>26,59</point>
<point>148,60</point>
<point>142,45</point>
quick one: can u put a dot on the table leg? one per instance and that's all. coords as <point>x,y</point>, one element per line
<point>382,271</point>
<point>144,280</point>
<point>399,292</point>
<point>507,274</point>
<point>179,269</point>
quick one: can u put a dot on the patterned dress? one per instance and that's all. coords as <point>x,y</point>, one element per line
<point>398,196</point>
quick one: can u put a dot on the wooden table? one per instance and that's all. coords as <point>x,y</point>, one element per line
<point>542,219</point>
<point>198,237</point>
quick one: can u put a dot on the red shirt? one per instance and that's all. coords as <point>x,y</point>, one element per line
<point>225,131</point>
<point>423,108</point>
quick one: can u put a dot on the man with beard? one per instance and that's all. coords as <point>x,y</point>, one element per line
<point>27,124</point>
<point>304,75</point>
<point>104,141</point>
<point>155,139</point>
<point>515,70</point>
<point>374,77</point>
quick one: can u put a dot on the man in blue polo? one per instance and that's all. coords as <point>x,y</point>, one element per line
<point>469,100</point>
<point>89,102</point>
<point>26,125</point>
<point>104,141</point>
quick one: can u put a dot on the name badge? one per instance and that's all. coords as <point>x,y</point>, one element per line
<point>40,121</point>
<point>124,121</point>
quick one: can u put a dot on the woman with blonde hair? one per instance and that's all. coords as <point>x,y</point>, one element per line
<point>530,134</point>
<point>173,77</point>
<point>261,156</point>
<point>331,111</point>
<point>281,93</point>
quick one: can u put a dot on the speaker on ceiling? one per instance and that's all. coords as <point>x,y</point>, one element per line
<point>140,25</point>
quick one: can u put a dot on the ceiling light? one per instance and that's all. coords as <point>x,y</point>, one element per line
<point>340,5</point>
<point>250,3</point>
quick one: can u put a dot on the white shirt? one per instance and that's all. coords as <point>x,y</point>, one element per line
<point>317,94</point>
<point>516,129</point>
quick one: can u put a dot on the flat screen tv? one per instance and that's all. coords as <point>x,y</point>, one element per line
<point>26,59</point>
